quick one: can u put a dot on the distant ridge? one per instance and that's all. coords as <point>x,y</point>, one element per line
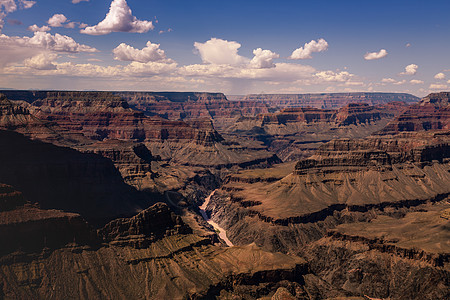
<point>330,100</point>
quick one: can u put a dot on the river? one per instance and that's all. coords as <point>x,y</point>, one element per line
<point>222,232</point>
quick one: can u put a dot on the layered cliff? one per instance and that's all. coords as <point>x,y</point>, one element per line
<point>431,113</point>
<point>295,133</point>
<point>63,178</point>
<point>153,255</point>
<point>329,100</point>
<point>367,213</point>
<point>29,229</point>
<point>181,106</point>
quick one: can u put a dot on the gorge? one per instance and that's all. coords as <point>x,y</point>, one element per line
<point>165,195</point>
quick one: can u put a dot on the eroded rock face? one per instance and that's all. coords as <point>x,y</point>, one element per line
<point>295,133</point>
<point>27,228</point>
<point>367,213</point>
<point>146,227</point>
<point>431,113</point>
<point>329,100</point>
<point>63,178</point>
<point>187,106</point>
<point>101,115</point>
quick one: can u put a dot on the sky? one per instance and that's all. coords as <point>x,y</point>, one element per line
<point>235,47</point>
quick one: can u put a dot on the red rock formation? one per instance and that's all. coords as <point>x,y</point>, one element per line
<point>181,106</point>
<point>101,115</point>
<point>28,228</point>
<point>329,101</point>
<point>146,227</point>
<point>431,113</point>
<point>304,115</point>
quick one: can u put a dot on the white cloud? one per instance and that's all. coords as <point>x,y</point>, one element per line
<point>42,61</point>
<point>218,51</point>
<point>439,76</point>
<point>36,28</point>
<point>15,48</point>
<point>45,40</point>
<point>333,76</point>
<point>36,66</point>
<point>410,69</point>
<point>150,52</point>
<point>9,6</point>
<point>119,19</point>
<point>57,20</point>
<point>388,80</point>
<point>263,59</point>
<point>400,82</point>
<point>283,72</point>
<point>415,81</point>
<point>309,48</point>
<point>437,86</point>
<point>78,1</point>
<point>408,45</point>
<point>26,4</point>
<point>376,55</point>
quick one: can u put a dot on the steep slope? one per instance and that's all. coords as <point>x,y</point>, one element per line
<point>432,113</point>
<point>369,214</point>
<point>153,255</point>
<point>296,133</point>
<point>66,179</point>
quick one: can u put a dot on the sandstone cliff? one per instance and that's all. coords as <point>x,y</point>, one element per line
<point>329,100</point>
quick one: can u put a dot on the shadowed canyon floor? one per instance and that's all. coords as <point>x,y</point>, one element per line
<point>104,195</point>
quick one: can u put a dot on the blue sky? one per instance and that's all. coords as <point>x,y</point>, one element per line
<point>212,45</point>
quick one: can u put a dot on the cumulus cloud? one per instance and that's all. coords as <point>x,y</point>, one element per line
<point>37,66</point>
<point>78,1</point>
<point>119,19</point>
<point>283,72</point>
<point>15,48</point>
<point>334,76</point>
<point>9,6</point>
<point>309,48</point>
<point>42,61</point>
<point>439,76</point>
<point>60,20</point>
<point>415,81</point>
<point>45,40</point>
<point>388,80</point>
<point>57,20</point>
<point>26,4</point>
<point>376,55</point>
<point>150,52</point>
<point>410,69</point>
<point>438,86</point>
<point>218,51</point>
<point>263,59</point>
<point>36,28</point>
<point>400,82</point>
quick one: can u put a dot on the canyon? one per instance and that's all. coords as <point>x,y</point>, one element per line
<point>191,195</point>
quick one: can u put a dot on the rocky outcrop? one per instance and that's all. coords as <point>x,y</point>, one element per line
<point>29,229</point>
<point>187,106</point>
<point>295,133</point>
<point>350,114</point>
<point>329,101</point>
<point>146,227</point>
<point>399,258</point>
<point>431,113</point>
<point>63,178</point>
<point>101,115</point>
